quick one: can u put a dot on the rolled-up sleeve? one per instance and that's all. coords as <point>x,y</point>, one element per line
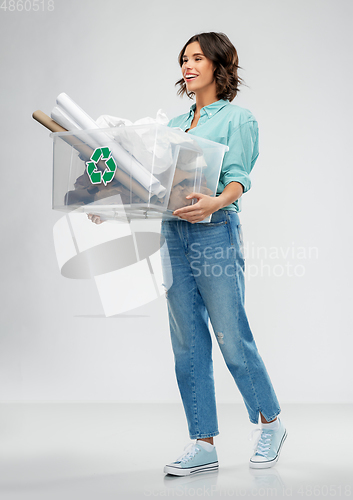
<point>243,151</point>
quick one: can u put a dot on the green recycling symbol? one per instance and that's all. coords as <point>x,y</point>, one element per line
<point>95,175</point>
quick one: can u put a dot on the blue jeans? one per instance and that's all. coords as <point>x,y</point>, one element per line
<point>203,273</point>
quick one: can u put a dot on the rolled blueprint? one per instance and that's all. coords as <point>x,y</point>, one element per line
<point>59,116</point>
<point>87,151</point>
<point>124,160</point>
<point>83,120</point>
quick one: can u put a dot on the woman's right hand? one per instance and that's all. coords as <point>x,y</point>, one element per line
<point>95,218</point>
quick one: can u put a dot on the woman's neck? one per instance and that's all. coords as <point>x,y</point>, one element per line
<point>205,99</point>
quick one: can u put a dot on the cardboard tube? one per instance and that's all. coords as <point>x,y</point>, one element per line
<point>47,121</point>
<point>87,151</point>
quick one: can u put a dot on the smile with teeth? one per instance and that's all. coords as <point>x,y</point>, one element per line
<point>190,76</point>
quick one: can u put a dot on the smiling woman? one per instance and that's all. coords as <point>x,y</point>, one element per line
<point>204,51</point>
<point>211,284</point>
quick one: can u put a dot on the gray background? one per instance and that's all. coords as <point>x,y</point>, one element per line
<point>120,58</point>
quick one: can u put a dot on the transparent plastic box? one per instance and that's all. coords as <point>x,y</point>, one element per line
<point>138,171</point>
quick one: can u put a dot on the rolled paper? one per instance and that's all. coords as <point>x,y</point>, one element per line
<point>125,161</point>
<point>77,114</point>
<point>63,119</point>
<point>87,151</point>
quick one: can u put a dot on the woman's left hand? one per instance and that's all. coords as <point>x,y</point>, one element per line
<point>205,206</point>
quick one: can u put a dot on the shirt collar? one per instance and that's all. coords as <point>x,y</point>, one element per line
<point>211,109</point>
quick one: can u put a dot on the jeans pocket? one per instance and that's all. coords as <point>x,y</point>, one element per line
<point>212,224</point>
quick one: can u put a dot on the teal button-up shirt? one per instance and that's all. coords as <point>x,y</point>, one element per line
<point>234,126</point>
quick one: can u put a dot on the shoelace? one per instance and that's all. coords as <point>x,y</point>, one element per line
<point>190,451</point>
<point>262,441</point>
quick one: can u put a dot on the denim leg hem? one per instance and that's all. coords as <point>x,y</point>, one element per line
<point>210,434</point>
<point>253,421</point>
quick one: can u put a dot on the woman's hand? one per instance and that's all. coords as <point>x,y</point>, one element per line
<point>204,207</point>
<point>95,218</point>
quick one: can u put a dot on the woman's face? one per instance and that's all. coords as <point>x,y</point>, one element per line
<point>197,70</point>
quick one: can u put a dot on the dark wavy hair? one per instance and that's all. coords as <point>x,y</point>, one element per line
<point>219,49</point>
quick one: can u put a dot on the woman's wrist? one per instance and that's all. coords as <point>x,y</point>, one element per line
<point>230,194</point>
<point>218,203</point>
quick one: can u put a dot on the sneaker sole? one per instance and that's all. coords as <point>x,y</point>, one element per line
<point>178,471</point>
<point>270,463</point>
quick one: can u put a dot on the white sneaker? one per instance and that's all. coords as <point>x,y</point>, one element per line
<point>268,447</point>
<point>194,459</point>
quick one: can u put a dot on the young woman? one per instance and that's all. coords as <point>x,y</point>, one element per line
<point>205,264</point>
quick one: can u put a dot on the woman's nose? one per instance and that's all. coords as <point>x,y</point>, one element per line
<point>187,67</point>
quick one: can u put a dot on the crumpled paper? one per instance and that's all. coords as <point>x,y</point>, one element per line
<point>155,155</point>
<point>105,121</point>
